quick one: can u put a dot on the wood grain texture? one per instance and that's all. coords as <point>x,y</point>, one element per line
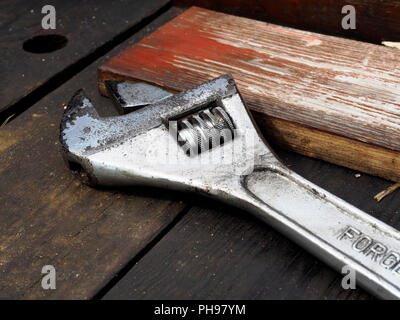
<point>219,252</point>
<point>336,149</point>
<point>47,216</point>
<point>222,254</point>
<point>377,20</point>
<point>87,25</point>
<point>336,86</point>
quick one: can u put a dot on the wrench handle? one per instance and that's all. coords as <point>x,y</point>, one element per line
<point>333,230</point>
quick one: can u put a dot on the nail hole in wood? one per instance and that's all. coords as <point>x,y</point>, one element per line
<point>45,43</point>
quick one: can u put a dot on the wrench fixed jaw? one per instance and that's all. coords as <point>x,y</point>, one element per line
<point>79,108</point>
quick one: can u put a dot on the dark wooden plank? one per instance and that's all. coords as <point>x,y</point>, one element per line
<point>47,216</point>
<point>377,20</point>
<point>87,26</point>
<point>330,91</point>
<point>219,252</point>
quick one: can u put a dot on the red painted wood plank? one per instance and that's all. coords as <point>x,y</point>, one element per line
<point>376,20</point>
<point>331,84</point>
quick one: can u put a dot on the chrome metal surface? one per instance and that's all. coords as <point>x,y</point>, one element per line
<point>143,148</point>
<point>129,96</point>
<point>205,129</point>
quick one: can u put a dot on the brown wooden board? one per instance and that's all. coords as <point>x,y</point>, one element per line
<point>86,25</point>
<point>219,252</point>
<point>48,217</point>
<point>376,20</point>
<point>339,97</point>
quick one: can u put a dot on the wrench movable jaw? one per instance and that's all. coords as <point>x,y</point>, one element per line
<point>129,97</point>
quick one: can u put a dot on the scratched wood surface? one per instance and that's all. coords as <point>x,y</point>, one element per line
<point>219,252</point>
<point>330,91</point>
<point>87,26</point>
<point>47,216</point>
<point>376,20</point>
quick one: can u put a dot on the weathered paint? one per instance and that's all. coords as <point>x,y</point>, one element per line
<point>376,20</point>
<point>335,85</point>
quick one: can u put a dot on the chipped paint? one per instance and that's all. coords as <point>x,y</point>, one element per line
<point>329,83</point>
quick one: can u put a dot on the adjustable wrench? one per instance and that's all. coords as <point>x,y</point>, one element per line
<point>205,140</point>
